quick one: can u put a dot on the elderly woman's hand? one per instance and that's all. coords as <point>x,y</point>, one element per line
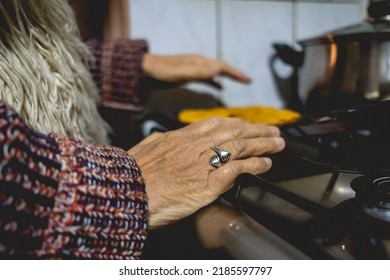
<point>178,177</point>
<point>186,68</point>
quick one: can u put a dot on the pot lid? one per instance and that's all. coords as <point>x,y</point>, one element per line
<point>376,27</point>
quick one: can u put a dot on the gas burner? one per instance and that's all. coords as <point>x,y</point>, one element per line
<point>337,225</point>
<point>328,192</point>
<point>354,138</point>
<point>373,194</point>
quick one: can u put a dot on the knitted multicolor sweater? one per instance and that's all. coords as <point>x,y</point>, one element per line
<point>117,72</point>
<point>61,198</point>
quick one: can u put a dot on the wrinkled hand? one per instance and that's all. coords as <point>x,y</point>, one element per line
<point>186,68</point>
<point>175,165</point>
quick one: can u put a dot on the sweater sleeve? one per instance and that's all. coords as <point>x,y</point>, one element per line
<point>61,198</point>
<point>117,72</point>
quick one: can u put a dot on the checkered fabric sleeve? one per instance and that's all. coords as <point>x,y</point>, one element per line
<point>60,198</point>
<point>117,70</point>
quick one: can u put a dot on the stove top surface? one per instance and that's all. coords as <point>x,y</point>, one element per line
<point>328,193</point>
<point>321,214</point>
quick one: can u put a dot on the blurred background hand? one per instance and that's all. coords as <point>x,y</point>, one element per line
<point>186,68</point>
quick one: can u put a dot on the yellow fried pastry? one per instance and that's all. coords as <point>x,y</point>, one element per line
<point>254,114</point>
<point>193,115</point>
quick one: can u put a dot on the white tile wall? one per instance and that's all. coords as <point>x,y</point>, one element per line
<point>175,26</point>
<point>246,31</point>
<point>314,19</point>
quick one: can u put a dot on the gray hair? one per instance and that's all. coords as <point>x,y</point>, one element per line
<point>43,69</point>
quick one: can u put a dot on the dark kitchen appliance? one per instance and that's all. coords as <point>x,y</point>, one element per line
<point>328,193</point>
<point>349,66</point>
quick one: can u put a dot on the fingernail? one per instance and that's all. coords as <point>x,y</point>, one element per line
<point>267,161</point>
<point>279,141</point>
<point>274,130</point>
<point>246,79</point>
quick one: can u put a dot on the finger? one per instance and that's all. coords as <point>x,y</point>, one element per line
<point>238,129</point>
<point>229,71</point>
<point>225,175</point>
<point>222,130</point>
<point>245,148</point>
<point>216,131</point>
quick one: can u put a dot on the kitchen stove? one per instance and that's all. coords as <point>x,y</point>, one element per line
<point>328,194</point>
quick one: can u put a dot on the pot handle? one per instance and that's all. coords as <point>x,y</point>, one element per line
<point>289,55</point>
<point>288,87</point>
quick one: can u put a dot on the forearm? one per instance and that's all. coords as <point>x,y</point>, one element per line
<point>60,198</point>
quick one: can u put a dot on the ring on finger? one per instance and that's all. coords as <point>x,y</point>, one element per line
<point>221,157</point>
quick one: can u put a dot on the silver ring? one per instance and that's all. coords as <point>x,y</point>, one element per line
<point>220,158</point>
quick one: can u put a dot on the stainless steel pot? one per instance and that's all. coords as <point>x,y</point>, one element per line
<point>347,67</point>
